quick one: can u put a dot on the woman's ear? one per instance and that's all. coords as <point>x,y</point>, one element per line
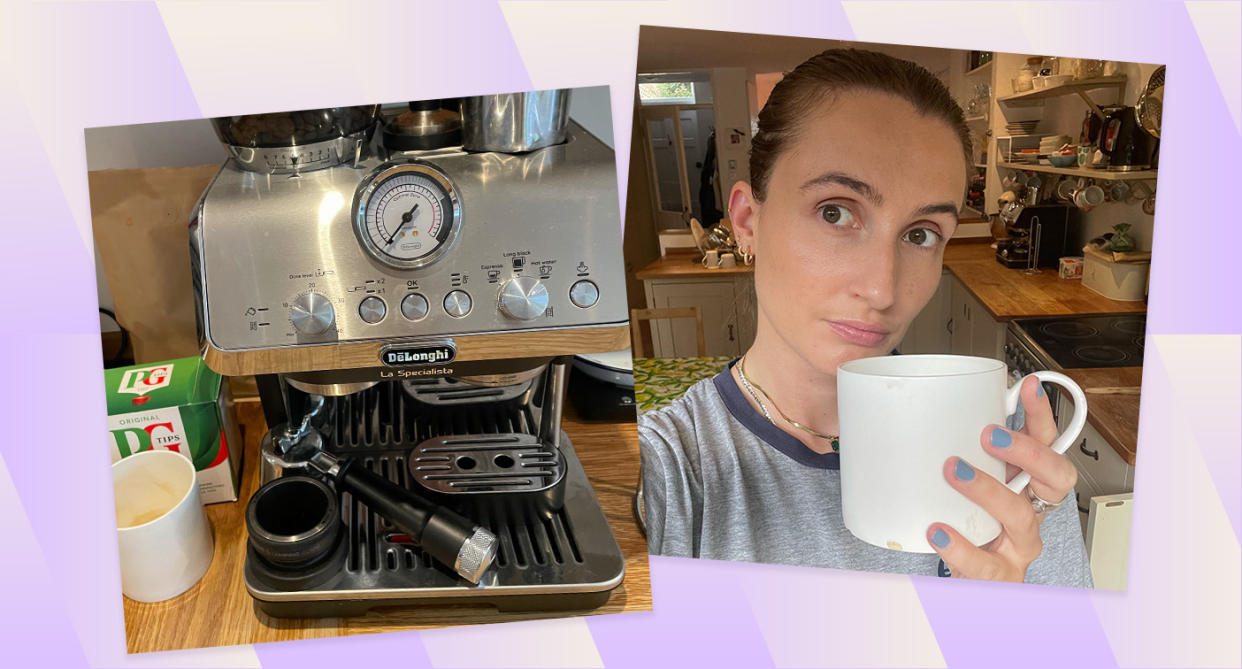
<point>744,216</point>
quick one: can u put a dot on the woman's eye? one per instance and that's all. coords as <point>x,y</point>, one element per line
<point>835,214</point>
<point>923,237</point>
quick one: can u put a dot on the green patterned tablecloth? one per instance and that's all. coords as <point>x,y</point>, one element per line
<point>659,381</point>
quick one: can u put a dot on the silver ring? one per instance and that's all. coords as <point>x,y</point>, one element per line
<point>1038,503</point>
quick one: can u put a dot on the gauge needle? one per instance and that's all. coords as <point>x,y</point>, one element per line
<point>405,218</point>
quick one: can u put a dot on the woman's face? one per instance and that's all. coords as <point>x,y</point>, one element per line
<point>849,238</point>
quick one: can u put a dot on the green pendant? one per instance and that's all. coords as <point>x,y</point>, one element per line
<point>836,445</point>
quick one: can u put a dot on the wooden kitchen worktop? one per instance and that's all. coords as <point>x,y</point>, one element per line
<point>1009,293</point>
<point>1114,414</point>
<point>686,265</point>
<point>219,612</point>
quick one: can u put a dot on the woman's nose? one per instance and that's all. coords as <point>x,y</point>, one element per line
<point>875,277</point>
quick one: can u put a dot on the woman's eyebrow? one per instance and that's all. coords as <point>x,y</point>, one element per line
<point>940,208</point>
<point>869,192</point>
<point>853,183</point>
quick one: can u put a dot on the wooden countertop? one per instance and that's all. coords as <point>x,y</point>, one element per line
<point>681,265</point>
<point>1114,416</point>
<point>219,612</point>
<point>1009,293</point>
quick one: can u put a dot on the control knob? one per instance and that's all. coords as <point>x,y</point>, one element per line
<point>311,314</point>
<point>524,298</point>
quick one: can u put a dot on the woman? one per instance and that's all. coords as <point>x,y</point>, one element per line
<point>857,174</point>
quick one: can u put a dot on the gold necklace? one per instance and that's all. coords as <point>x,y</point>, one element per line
<point>741,370</point>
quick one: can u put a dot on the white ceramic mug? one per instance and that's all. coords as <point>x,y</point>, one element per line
<point>711,259</point>
<point>1089,198</point>
<point>163,533</point>
<point>901,417</point>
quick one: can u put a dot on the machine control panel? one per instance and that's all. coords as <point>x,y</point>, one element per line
<point>446,243</point>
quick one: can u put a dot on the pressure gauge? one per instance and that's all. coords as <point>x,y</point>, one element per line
<point>407,215</point>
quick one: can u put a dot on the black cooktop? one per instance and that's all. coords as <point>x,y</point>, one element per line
<point>1090,341</point>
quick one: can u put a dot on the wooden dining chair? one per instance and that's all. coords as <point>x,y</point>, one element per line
<point>637,315</point>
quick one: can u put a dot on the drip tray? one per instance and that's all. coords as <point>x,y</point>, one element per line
<point>557,552</point>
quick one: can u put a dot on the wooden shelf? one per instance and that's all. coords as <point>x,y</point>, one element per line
<point>983,166</point>
<point>967,209</point>
<point>1141,175</point>
<point>972,119</point>
<point>1072,88</point>
<point>982,68</point>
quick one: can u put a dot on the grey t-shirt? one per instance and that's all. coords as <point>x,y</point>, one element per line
<point>722,483</point>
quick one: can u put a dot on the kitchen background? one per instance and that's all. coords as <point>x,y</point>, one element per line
<point>696,105</point>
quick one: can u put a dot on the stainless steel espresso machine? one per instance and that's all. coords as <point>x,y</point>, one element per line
<point>409,316</point>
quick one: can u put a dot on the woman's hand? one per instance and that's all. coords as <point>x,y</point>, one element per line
<point>1007,557</point>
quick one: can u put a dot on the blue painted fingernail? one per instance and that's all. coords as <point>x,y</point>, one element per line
<point>1039,390</point>
<point>940,538</point>
<point>1001,438</point>
<point>963,471</point>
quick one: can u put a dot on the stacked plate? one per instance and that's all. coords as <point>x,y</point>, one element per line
<point>1021,127</point>
<point>1052,143</point>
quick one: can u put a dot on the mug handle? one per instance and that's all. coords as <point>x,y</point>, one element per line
<point>1077,421</point>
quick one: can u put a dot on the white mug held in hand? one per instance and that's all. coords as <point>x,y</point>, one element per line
<point>901,417</point>
<point>163,533</point>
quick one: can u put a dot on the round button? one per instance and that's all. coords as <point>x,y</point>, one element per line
<point>524,298</point>
<point>372,309</point>
<point>414,307</point>
<point>312,314</point>
<point>584,294</point>
<point>457,303</point>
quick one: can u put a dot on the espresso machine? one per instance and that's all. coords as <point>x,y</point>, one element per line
<point>409,316</point>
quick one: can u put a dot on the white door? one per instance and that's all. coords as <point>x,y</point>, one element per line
<point>666,163</point>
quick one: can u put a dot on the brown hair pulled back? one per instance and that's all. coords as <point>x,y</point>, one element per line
<point>832,72</point>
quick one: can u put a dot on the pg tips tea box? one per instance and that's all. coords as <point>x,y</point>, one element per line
<point>178,405</point>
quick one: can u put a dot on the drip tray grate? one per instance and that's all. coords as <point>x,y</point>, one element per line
<point>556,552</point>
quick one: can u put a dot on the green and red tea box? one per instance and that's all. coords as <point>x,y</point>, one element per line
<point>178,405</point>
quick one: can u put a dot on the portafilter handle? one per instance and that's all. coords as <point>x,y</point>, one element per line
<point>446,535</point>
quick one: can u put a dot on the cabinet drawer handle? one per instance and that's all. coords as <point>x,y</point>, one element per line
<point>730,332</point>
<point>1094,455</point>
<point>949,326</point>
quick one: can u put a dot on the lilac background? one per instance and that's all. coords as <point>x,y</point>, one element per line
<point>67,66</point>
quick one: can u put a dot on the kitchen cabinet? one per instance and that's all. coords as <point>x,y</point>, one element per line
<point>955,321</point>
<point>929,332</point>
<point>972,330</point>
<point>1101,471</point>
<point>728,327</point>
<point>1103,479</point>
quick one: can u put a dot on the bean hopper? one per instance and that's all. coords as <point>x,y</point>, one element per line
<point>409,316</point>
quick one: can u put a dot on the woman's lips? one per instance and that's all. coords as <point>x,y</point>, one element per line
<point>855,332</point>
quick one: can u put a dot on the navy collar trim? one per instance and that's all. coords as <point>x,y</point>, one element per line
<point>764,429</point>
